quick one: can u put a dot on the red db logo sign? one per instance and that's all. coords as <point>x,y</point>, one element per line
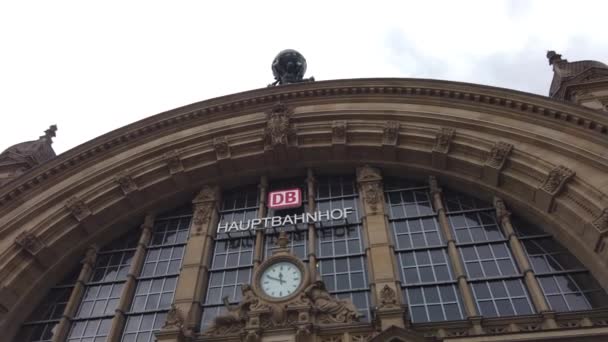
<point>283,199</point>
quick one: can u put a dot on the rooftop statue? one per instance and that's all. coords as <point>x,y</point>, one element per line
<point>289,66</point>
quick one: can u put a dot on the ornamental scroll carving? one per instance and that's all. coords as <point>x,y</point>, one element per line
<point>499,154</point>
<point>314,306</point>
<point>390,134</point>
<point>78,208</point>
<point>556,179</point>
<point>29,242</point>
<point>126,183</point>
<point>443,139</point>
<point>278,127</point>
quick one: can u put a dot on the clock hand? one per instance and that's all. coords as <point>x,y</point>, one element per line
<point>277,279</point>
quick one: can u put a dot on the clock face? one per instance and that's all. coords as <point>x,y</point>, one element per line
<point>281,279</point>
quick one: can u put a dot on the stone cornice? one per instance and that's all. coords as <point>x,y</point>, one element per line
<point>592,124</point>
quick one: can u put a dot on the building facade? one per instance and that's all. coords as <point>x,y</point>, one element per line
<point>428,211</point>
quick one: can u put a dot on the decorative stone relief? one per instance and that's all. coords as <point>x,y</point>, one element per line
<point>368,174</point>
<point>90,256</point>
<point>601,223</point>
<point>443,140</point>
<point>338,132</point>
<point>501,209</point>
<point>174,162</point>
<point>390,134</point>
<point>29,242</point>
<point>78,208</point>
<point>222,150</point>
<point>126,183</point>
<point>254,313</point>
<point>208,193</point>
<point>388,297</point>
<point>499,154</point>
<point>434,185</point>
<point>202,216</point>
<point>372,195</point>
<point>556,179</point>
<point>278,127</point>
<point>174,320</point>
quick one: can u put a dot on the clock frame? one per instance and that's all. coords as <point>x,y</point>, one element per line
<point>280,257</point>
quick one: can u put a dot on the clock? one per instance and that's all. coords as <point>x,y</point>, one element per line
<point>280,279</point>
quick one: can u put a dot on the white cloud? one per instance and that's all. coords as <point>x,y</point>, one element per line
<point>91,67</point>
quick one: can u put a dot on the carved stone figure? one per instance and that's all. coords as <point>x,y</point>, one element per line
<point>372,195</point>
<point>289,66</point>
<point>556,179</point>
<point>338,130</point>
<point>501,209</point>
<point>202,214</point>
<point>174,319</point>
<point>434,185</point>
<point>222,150</point>
<point>90,256</point>
<point>333,310</point>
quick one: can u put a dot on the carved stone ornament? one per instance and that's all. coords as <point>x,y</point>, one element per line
<point>29,242</point>
<point>309,306</point>
<point>202,214</point>
<point>126,183</point>
<point>174,320</point>
<point>78,208</point>
<point>388,297</point>
<point>434,185</point>
<point>372,195</point>
<point>222,150</point>
<point>601,223</point>
<point>501,209</point>
<point>338,132</point>
<point>368,174</point>
<point>278,128</point>
<point>208,193</point>
<point>556,179</point>
<point>174,162</point>
<point>498,154</point>
<point>443,140</point>
<point>90,256</point>
<point>390,133</point>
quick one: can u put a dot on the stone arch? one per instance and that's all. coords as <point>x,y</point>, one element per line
<point>546,159</point>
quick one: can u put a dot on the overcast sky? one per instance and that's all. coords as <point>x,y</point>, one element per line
<point>91,67</point>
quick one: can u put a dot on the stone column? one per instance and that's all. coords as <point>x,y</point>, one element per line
<point>384,283</point>
<point>63,327</point>
<point>185,314</point>
<point>258,252</point>
<point>128,289</point>
<point>536,293</point>
<point>312,234</point>
<point>455,259</point>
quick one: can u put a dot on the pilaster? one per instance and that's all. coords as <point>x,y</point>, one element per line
<point>536,293</point>
<point>63,327</point>
<point>258,252</point>
<point>126,296</point>
<point>382,276</point>
<point>455,259</point>
<point>193,278</point>
<point>312,236</point>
